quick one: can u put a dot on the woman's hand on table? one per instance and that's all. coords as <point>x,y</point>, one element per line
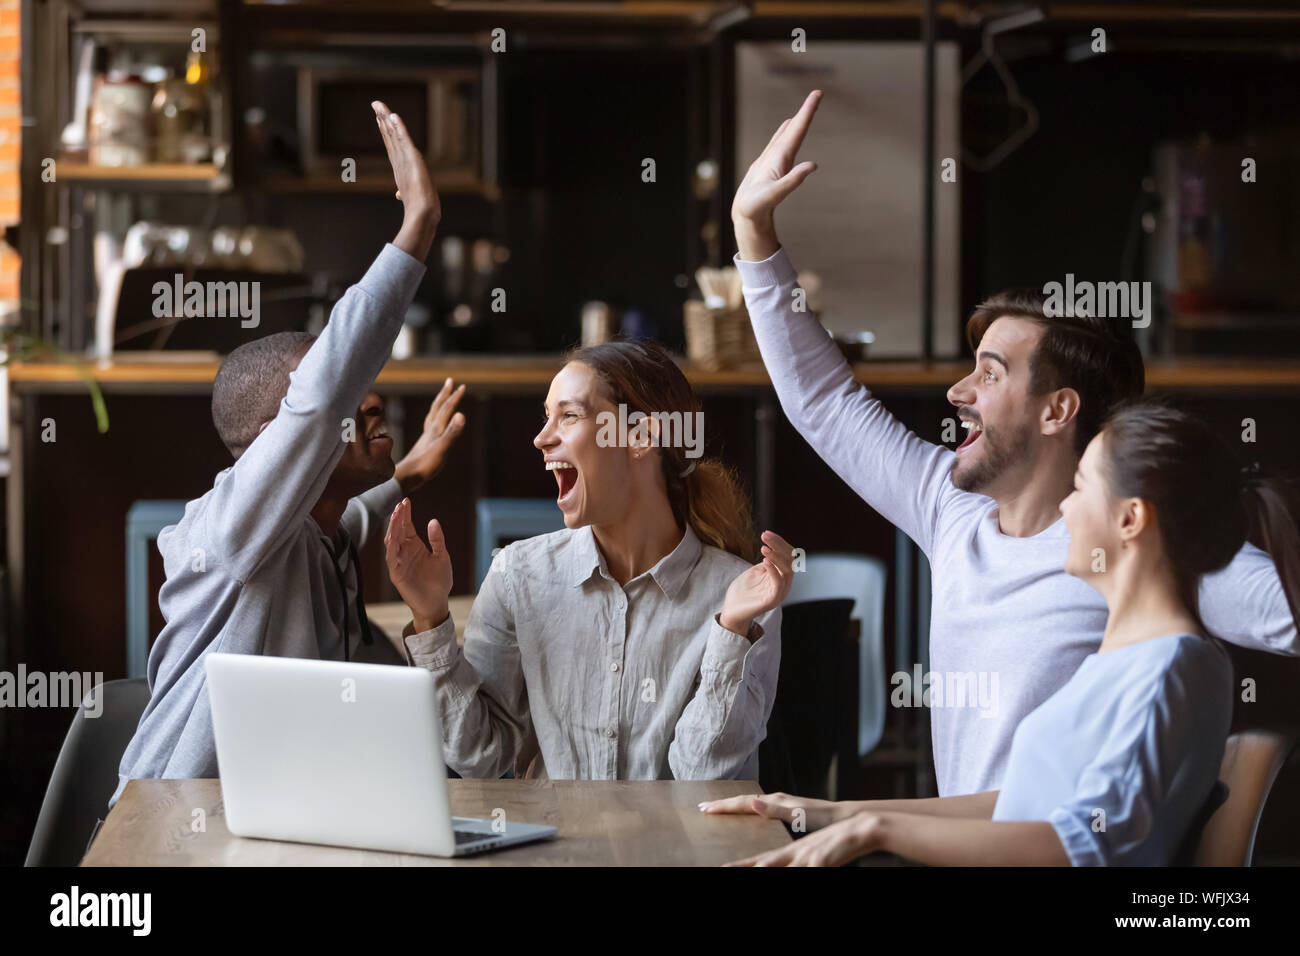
<point>761,588</point>
<point>802,813</point>
<point>421,575</point>
<point>841,842</point>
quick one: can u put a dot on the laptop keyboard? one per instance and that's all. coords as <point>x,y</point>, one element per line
<point>469,836</point>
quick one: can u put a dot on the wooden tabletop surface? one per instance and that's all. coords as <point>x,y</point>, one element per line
<point>393,616</point>
<point>600,823</point>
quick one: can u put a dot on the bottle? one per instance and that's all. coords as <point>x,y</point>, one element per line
<point>196,143</point>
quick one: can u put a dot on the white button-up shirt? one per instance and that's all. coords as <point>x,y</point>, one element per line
<point>638,682</point>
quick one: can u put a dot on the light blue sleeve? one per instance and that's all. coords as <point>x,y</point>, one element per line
<point>1151,775</point>
<point>1246,604</point>
<point>274,484</point>
<point>368,512</point>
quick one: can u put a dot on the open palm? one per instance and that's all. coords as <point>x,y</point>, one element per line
<point>421,575</point>
<point>760,588</point>
<point>773,175</point>
<point>410,171</point>
<point>442,426</point>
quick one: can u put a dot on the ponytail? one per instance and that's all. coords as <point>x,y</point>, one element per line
<point>1271,510</point>
<point>710,500</point>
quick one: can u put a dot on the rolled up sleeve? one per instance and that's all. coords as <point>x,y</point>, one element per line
<point>482,699</point>
<point>718,734</point>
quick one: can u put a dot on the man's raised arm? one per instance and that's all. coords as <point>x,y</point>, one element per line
<point>277,481</point>
<point>894,471</point>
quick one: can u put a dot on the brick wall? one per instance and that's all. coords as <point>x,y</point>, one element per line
<point>10,142</point>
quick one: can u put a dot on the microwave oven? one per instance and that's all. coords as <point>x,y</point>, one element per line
<point>441,109</point>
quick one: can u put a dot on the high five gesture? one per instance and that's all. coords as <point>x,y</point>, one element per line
<point>422,210</point>
<point>771,178</point>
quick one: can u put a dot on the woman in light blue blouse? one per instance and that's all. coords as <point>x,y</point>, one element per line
<point>1113,768</point>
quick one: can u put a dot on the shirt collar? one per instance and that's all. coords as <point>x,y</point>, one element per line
<point>670,573</point>
<point>587,559</point>
<point>674,568</point>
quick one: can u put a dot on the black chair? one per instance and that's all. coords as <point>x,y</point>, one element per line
<point>85,775</point>
<point>815,711</point>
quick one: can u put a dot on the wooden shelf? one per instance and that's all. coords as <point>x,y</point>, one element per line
<point>1235,321</point>
<point>169,176</point>
<point>282,184</point>
<point>193,372</point>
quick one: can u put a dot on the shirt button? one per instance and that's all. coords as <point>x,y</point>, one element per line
<point>613,665</point>
<point>609,732</point>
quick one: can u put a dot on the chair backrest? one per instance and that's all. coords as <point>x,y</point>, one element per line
<point>1185,855</point>
<point>862,578</point>
<point>510,518</point>
<point>144,521</point>
<point>804,731</point>
<point>1251,762</point>
<point>85,774</point>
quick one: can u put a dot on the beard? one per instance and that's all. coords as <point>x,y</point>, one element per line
<point>1003,449</point>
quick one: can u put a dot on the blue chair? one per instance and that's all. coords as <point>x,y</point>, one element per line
<point>509,519</point>
<point>862,578</point>
<point>143,522</point>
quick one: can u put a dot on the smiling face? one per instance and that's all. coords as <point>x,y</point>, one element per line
<point>368,458</point>
<point>368,455</point>
<point>995,406</point>
<point>592,481</point>
<point>1092,517</point>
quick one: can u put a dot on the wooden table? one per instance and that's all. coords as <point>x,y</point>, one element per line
<point>393,616</point>
<point>600,823</point>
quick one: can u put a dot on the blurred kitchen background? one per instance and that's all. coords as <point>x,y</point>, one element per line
<point>232,140</point>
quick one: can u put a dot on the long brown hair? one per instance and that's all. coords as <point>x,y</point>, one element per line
<point>1207,505</point>
<point>708,497</point>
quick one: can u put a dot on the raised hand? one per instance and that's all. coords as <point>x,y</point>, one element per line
<point>770,178</point>
<point>812,814</point>
<point>421,575</point>
<point>761,588</point>
<point>422,209</point>
<point>442,426</point>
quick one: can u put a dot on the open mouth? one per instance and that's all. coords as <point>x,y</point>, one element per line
<point>380,435</point>
<point>566,477</point>
<point>973,432</point>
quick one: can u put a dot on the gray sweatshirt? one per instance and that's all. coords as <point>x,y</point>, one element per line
<point>248,569</point>
<point>1008,625</point>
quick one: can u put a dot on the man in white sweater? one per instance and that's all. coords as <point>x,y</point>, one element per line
<point>987,516</point>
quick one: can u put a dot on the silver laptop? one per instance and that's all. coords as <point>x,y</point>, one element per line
<point>340,753</point>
